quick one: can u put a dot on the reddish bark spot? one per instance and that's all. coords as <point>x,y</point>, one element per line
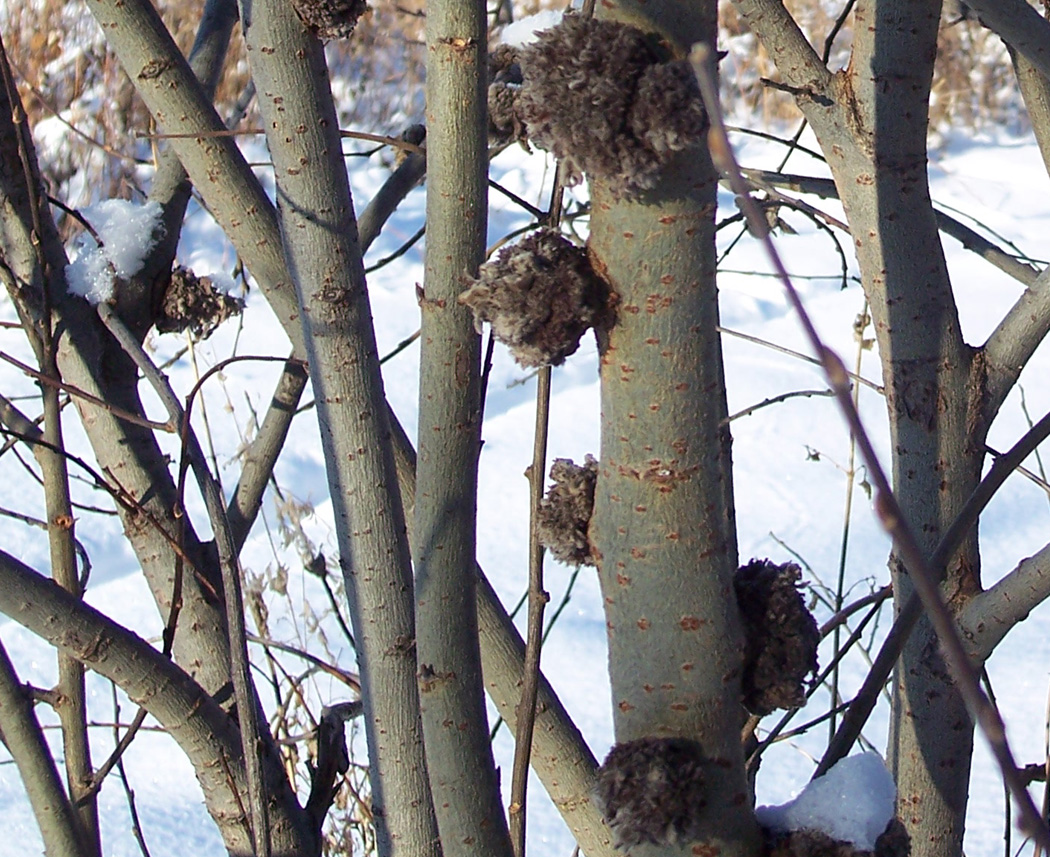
<point>623,579</point>
<point>637,553</point>
<point>679,706</point>
<point>688,665</point>
<point>706,849</point>
<point>689,623</point>
<point>668,219</point>
<point>667,686</point>
<point>648,688</point>
<point>625,706</point>
<point>667,279</point>
<point>673,536</point>
<point>643,624</point>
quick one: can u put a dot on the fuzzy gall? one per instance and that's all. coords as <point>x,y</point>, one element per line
<point>540,296</point>
<point>781,636</point>
<point>652,791</point>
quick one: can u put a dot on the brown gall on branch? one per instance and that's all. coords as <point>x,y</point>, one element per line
<point>781,636</point>
<point>194,303</point>
<point>565,513</point>
<point>652,790</point>
<point>600,96</point>
<point>330,19</point>
<point>540,296</point>
<point>505,79</point>
<point>892,842</point>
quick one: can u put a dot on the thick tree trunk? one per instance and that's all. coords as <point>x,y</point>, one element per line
<point>663,521</point>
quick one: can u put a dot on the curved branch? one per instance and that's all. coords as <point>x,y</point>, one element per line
<point>24,739</point>
<point>1020,26</point>
<point>210,156</point>
<point>989,616</point>
<point>205,733</point>
<point>969,238</point>
<point>1013,342</point>
<point>796,60</point>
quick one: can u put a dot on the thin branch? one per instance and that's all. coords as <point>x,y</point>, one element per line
<point>776,400</point>
<point>76,392</point>
<point>247,704</point>
<point>779,33</point>
<point>349,679</point>
<point>765,343</point>
<point>969,238</point>
<point>923,575</point>
<point>129,793</point>
<point>865,699</point>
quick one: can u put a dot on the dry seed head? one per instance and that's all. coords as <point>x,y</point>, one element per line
<point>330,19</point>
<point>540,296</point>
<point>194,303</point>
<point>597,95</point>
<point>781,636</point>
<point>565,513</point>
<point>652,790</point>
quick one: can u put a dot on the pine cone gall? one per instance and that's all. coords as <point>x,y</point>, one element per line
<point>330,19</point>
<point>781,636</point>
<point>565,513</point>
<point>652,790</point>
<point>597,95</point>
<point>540,296</point>
<point>193,303</point>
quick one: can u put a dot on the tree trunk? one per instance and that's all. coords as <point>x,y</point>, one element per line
<point>459,754</point>
<point>663,522</point>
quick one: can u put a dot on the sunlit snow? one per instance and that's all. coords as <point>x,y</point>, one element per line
<point>853,802</point>
<point>128,232</point>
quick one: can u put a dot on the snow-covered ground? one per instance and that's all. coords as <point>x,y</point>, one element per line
<point>789,478</point>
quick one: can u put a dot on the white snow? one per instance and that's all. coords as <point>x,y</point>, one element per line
<point>786,499</point>
<point>523,31</point>
<point>853,802</point>
<point>128,231</point>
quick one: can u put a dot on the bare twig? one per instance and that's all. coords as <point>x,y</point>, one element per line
<point>863,703</point>
<point>247,704</point>
<point>136,826</point>
<point>119,413</point>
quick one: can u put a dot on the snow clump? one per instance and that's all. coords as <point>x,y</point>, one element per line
<point>128,232</point>
<point>853,802</point>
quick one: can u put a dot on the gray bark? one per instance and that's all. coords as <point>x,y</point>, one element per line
<point>663,523</point>
<point>24,739</point>
<point>560,755</point>
<point>870,120</point>
<point>321,247</point>
<point>459,755</point>
<point>205,733</point>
